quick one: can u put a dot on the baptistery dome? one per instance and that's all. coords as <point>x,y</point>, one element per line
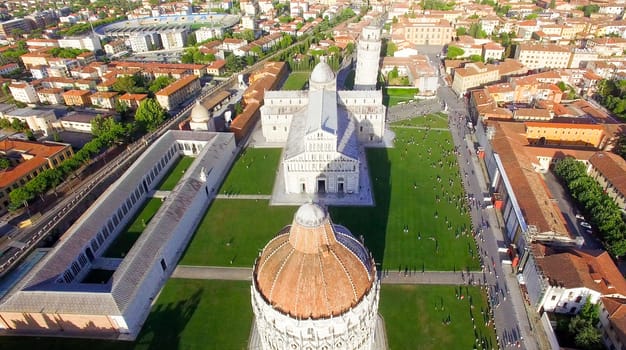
<point>314,269</point>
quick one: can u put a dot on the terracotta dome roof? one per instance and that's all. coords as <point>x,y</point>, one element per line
<point>199,113</point>
<point>322,73</point>
<point>314,269</point>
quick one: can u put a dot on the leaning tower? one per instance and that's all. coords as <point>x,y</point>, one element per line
<point>368,56</point>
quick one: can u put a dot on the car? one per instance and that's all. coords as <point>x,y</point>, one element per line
<point>585,224</point>
<point>580,217</point>
<point>589,231</point>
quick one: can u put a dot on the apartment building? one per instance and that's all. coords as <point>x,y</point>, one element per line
<point>53,96</point>
<point>90,42</point>
<point>104,99</point>
<point>28,158</point>
<point>177,92</point>
<point>23,92</point>
<point>535,56</point>
<point>174,39</point>
<point>7,28</point>
<point>565,134</point>
<point>132,101</point>
<point>476,74</point>
<point>115,47</point>
<point>38,120</point>
<point>77,98</point>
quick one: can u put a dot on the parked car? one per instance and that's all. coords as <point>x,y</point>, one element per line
<point>580,217</point>
<point>585,225</point>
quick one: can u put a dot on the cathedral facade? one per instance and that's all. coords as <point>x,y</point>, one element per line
<point>323,130</point>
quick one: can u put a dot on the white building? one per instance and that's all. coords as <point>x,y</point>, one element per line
<point>368,56</point>
<point>24,92</point>
<point>322,129</point>
<point>37,119</point>
<point>144,42</point>
<point>174,39</point>
<point>61,297</point>
<point>208,33</point>
<point>91,43</point>
<point>314,286</point>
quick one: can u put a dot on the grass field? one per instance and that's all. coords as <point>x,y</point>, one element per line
<point>189,314</point>
<point>436,120</point>
<point>125,240</point>
<point>429,317</point>
<point>254,172</point>
<point>417,222</point>
<point>176,173</point>
<point>234,231</point>
<point>296,81</point>
<point>394,96</point>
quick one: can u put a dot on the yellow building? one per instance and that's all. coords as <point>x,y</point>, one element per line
<point>177,92</point>
<point>590,135</point>
<point>543,56</point>
<point>423,31</point>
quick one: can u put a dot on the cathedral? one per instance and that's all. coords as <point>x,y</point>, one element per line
<point>315,286</point>
<point>323,129</point>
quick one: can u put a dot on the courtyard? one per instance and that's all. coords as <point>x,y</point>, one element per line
<point>253,172</point>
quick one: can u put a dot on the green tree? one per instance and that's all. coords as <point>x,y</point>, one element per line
<point>552,4</point>
<point>476,31</point>
<point>476,58</point>
<point>160,82</point>
<point>391,48</point>
<point>4,163</point>
<point>150,115</point>
<point>460,31</point>
<point>132,84</point>
<point>19,197</point>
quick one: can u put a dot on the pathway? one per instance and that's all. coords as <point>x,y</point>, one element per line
<point>408,277</point>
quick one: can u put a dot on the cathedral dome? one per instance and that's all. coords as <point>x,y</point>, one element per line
<point>314,269</point>
<point>199,113</point>
<point>322,73</point>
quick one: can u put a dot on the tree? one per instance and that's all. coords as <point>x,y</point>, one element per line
<point>476,58</point>
<point>4,163</point>
<point>476,31</point>
<point>552,4</point>
<point>132,84</point>
<point>391,48</point>
<point>150,115</point>
<point>460,31</point>
<point>19,197</point>
<point>454,52</point>
<point>160,82</point>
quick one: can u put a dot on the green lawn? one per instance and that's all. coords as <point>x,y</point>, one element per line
<point>433,317</point>
<point>406,191</point>
<point>176,173</point>
<point>296,81</point>
<point>189,314</point>
<point>234,231</point>
<point>435,120</point>
<point>125,240</point>
<point>254,172</point>
<point>394,96</point>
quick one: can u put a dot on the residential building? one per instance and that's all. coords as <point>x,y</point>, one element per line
<point>565,134</point>
<point>9,68</point>
<point>417,68</point>
<point>477,74</point>
<point>28,159</point>
<point>24,92</point>
<point>177,92</point>
<point>216,67</point>
<point>539,56</point>
<point>53,96</point>
<point>613,322</point>
<point>77,98</point>
<point>132,101</point>
<point>115,47</point>
<point>89,42</point>
<point>38,120</point>
<point>8,28</point>
<point>104,99</point>
<point>208,33</point>
<point>174,39</point>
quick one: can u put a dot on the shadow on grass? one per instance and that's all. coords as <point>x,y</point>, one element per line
<point>370,222</point>
<point>162,330</point>
<point>166,323</point>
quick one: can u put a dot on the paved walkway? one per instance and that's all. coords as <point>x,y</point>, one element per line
<point>243,196</point>
<point>408,277</point>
